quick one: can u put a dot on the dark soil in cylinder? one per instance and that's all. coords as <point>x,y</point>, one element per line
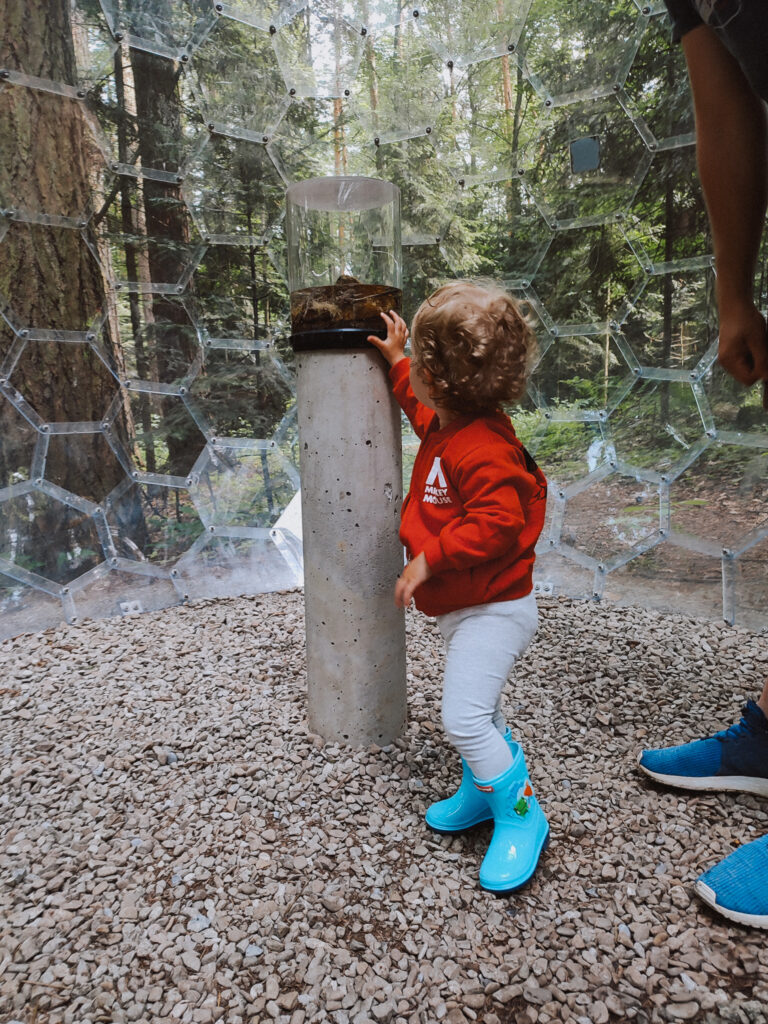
<point>348,303</point>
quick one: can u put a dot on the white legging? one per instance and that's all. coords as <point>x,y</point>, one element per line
<point>482,645</point>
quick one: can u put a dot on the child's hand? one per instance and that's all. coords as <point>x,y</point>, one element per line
<point>393,346</point>
<point>413,575</point>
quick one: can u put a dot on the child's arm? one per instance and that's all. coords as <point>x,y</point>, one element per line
<point>393,349</point>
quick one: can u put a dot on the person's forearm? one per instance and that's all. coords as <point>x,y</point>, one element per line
<point>733,162</point>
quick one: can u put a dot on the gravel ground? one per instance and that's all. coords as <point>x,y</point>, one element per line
<point>175,846</point>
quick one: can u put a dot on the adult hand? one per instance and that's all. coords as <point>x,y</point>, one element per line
<point>743,344</point>
<point>413,575</point>
<point>393,346</point>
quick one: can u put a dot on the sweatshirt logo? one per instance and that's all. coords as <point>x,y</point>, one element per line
<point>436,488</point>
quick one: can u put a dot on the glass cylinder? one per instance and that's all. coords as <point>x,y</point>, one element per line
<point>344,259</point>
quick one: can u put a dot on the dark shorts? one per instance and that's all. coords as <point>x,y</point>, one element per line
<point>742,26</point>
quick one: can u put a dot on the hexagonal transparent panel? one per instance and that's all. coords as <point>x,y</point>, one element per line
<point>158,26</point>
<point>234,192</point>
<point>317,138</point>
<point>253,304</point>
<point>668,220</point>
<point>165,437</point>
<point>244,486</point>
<point>47,537</point>
<point>673,319</point>
<point>62,284</point>
<point>568,452</point>
<point>669,578</point>
<point>17,445</point>
<point>152,241</point>
<point>425,269</point>
<point>76,195</point>
<point>149,113</point>
<point>241,90</point>
<point>658,427</point>
<point>159,339</point>
<point>319,52</point>
<point>26,610</point>
<point>152,523</point>
<point>262,13</point>
<point>586,163</point>
<point>242,394</point>
<point>428,193</point>
<point>737,412</point>
<point>579,372</point>
<point>582,49</point>
<point>83,464</point>
<point>124,593</point>
<point>466,33</point>
<point>722,497</point>
<point>555,575</point>
<point>657,85</point>
<point>482,141</point>
<point>747,576</point>
<point>611,517</point>
<point>585,276</point>
<point>41,362</point>
<point>399,89</point>
<point>227,566</point>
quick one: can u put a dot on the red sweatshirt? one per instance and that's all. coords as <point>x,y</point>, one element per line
<point>475,507</point>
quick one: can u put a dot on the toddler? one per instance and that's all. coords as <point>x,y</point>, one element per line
<point>470,523</point>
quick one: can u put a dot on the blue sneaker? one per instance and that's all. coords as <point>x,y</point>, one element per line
<point>735,759</point>
<point>737,887</point>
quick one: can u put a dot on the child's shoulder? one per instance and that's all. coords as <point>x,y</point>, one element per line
<point>494,430</point>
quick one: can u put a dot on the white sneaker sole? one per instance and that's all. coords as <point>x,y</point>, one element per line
<point>709,896</point>
<point>710,783</point>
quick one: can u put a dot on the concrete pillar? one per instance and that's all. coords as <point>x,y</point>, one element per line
<point>351,484</point>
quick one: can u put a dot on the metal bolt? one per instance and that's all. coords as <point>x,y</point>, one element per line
<point>90,337</point>
<point>24,333</point>
<point>184,58</point>
<point>39,481</point>
<point>376,141</point>
<point>179,288</point>
<point>461,182</point>
<point>653,147</point>
<point>415,14</point>
<point>81,94</point>
<point>521,171</point>
<point>118,36</point>
<point>616,86</point>
<point>428,130</point>
<point>211,529</point>
<point>265,138</point>
<point>346,92</point>
<point>46,428</point>
<point>219,8</point>
<point>5,75</point>
<point>272,30</point>
<point>510,47</point>
<point>182,391</point>
<point>449,65</point>
<point>601,568</point>
<point>363,31</point>
<point>291,92</point>
<point>547,103</point>
<point>211,127</point>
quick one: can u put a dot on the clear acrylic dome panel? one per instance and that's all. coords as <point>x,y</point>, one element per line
<point>52,258</point>
<point>586,163</point>
<point>17,445</point>
<point>578,374</point>
<point>466,33</point>
<point>667,221</point>
<point>234,192</point>
<point>42,361</point>
<point>262,14</point>
<point>612,517</point>
<point>581,50</point>
<point>657,86</point>
<point>484,142</point>
<point>166,438</point>
<point>239,85</point>
<point>23,607</point>
<point>22,192</point>
<point>44,535</point>
<point>557,575</point>
<point>241,393</point>
<point>429,194</point>
<point>585,277</point>
<point>159,27</point>
<point>124,593</point>
<point>254,311</point>
<point>159,339</point>
<point>672,322</point>
<point>399,89</point>
<point>319,52</point>
<point>746,579</point>
<point>227,565</point>
<point>247,485</point>
<point>82,463</point>
<point>737,413</point>
<point>570,451</point>
<point>658,427</point>
<point>152,523</point>
<point>321,138</point>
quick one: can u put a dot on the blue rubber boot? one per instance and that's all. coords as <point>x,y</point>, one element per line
<point>467,806</point>
<point>520,830</point>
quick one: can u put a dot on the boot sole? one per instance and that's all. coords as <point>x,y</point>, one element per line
<point>519,885</point>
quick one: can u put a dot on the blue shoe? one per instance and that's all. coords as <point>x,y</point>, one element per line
<point>735,759</point>
<point>737,887</point>
<point>520,830</point>
<point>467,807</point>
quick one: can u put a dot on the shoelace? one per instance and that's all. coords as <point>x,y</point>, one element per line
<point>735,730</point>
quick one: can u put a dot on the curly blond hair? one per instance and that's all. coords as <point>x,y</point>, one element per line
<point>473,345</point>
